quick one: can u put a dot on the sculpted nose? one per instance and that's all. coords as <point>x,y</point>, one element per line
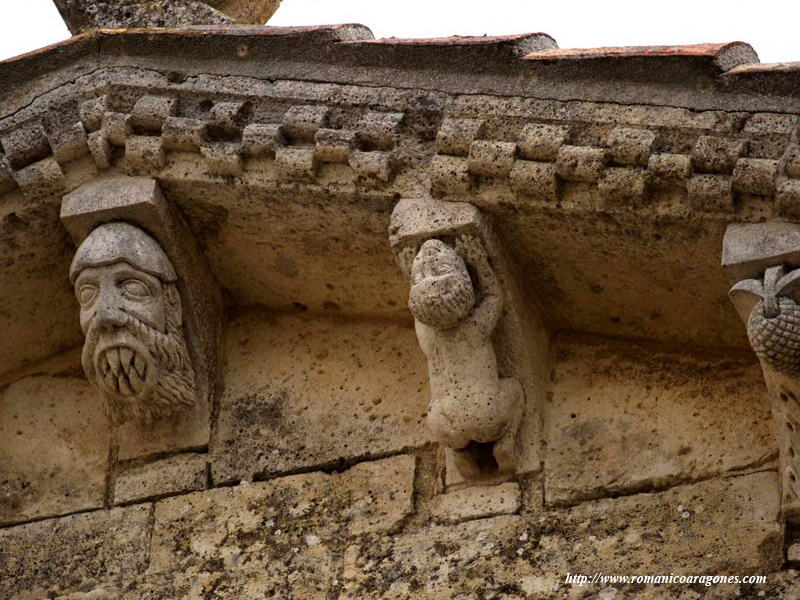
<point>109,318</point>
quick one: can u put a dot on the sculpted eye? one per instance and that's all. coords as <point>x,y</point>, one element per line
<point>86,294</point>
<point>135,288</point>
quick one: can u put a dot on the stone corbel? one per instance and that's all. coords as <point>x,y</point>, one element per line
<point>486,349</point>
<point>763,261</point>
<point>151,312</point>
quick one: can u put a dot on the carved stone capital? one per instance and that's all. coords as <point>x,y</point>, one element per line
<point>763,261</point>
<point>149,309</point>
<point>469,322</point>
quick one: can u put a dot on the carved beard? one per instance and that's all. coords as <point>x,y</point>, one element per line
<point>442,302</point>
<point>142,373</point>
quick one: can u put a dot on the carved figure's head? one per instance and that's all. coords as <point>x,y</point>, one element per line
<point>131,315</point>
<point>441,290</point>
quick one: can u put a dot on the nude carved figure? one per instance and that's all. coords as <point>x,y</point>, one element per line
<point>473,410</point>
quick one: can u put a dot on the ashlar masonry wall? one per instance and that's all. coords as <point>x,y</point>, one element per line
<point>320,480</point>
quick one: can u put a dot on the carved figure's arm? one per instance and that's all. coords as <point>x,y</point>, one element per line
<point>405,258</point>
<point>487,312</point>
<point>424,335</point>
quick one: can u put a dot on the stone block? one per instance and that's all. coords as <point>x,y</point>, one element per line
<point>755,176</point>
<point>791,161</point>
<point>535,179</point>
<point>610,426</point>
<point>304,393</point>
<point>25,146</point>
<point>180,133</point>
<point>540,142</point>
<point>145,155</point>
<point>787,197</point>
<point>378,130</point>
<point>449,176</point>
<point>620,186</point>
<point>793,554</point>
<point>455,136</point>
<point>441,562</point>
<point>39,559</point>
<point>118,126</point>
<point>259,139</point>
<point>669,170</point>
<point>491,158</point>
<point>69,143</point>
<point>477,502</point>
<point>770,123</point>
<point>748,249</point>
<point>226,120</point>
<point>276,516</point>
<point>372,166</point>
<point>711,193</point>
<point>100,149</point>
<point>91,113</point>
<point>7,182</point>
<point>307,571</point>
<point>54,448</point>
<point>334,145</point>
<point>42,179</point>
<point>223,158</point>
<point>150,112</point>
<point>631,146</point>
<point>296,164</point>
<point>717,155</point>
<point>724,526</point>
<point>580,163</point>
<point>300,123</point>
<point>175,475</point>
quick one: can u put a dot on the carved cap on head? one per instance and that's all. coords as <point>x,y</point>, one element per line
<point>115,242</point>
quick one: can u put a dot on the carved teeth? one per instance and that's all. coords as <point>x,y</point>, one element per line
<point>126,357</point>
<point>124,386</point>
<point>113,360</point>
<point>111,381</point>
<point>139,365</point>
<point>136,382</point>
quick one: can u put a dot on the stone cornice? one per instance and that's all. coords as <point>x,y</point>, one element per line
<point>703,77</point>
<point>289,141</point>
<point>514,150</point>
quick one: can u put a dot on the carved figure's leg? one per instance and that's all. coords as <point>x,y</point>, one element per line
<point>505,447</point>
<point>482,460</point>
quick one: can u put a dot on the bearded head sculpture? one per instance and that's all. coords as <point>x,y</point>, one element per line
<point>135,350</point>
<point>442,294</point>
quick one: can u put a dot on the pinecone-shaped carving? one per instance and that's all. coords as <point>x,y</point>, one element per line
<point>776,340</point>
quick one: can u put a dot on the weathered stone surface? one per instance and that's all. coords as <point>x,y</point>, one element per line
<point>477,502</point>
<point>625,417</point>
<point>62,554</point>
<point>174,475</point>
<point>303,572</point>
<point>725,526</point>
<point>82,15</point>
<point>54,447</point>
<point>304,392</point>
<point>285,528</point>
<point>371,497</point>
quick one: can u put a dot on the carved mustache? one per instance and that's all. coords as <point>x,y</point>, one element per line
<point>123,370</point>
